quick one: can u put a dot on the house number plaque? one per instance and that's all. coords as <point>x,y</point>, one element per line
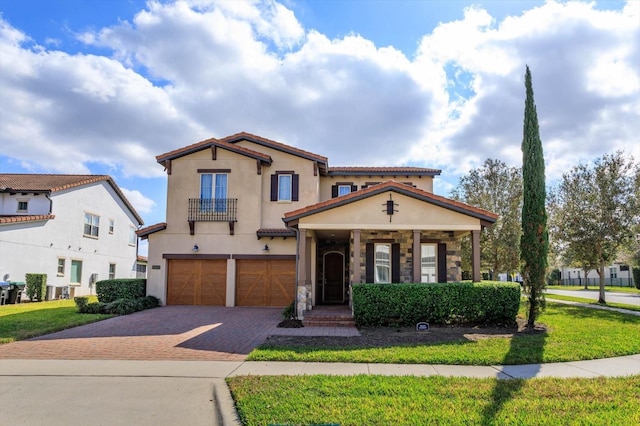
<point>422,326</point>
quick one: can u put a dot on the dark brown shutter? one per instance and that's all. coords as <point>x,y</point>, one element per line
<point>395,263</point>
<point>354,188</point>
<point>274,187</point>
<point>334,191</point>
<point>369,263</point>
<point>442,263</point>
<point>295,187</point>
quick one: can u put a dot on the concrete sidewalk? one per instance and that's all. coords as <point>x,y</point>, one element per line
<point>156,393</point>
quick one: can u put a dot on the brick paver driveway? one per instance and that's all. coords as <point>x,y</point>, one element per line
<point>166,333</point>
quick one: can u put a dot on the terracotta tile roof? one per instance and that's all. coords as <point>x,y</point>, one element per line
<point>145,232</point>
<point>394,186</point>
<point>26,218</point>
<point>199,146</point>
<point>48,183</point>
<point>322,161</point>
<point>383,171</point>
<point>141,258</point>
<point>275,232</point>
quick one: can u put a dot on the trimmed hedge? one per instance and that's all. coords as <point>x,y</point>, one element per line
<point>491,303</point>
<point>116,307</point>
<point>636,277</point>
<point>36,286</point>
<point>121,288</point>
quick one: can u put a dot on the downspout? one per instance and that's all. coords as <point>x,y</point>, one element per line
<point>46,194</point>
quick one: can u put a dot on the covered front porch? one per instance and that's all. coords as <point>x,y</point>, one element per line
<point>389,233</point>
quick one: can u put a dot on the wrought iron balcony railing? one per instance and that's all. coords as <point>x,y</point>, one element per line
<point>213,209</point>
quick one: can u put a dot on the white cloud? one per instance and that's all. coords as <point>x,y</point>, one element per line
<point>187,70</point>
<point>141,203</point>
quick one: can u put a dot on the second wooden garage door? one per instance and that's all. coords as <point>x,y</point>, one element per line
<point>197,282</point>
<point>265,282</point>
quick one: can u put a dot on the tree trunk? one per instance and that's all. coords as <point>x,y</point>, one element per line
<point>601,273</point>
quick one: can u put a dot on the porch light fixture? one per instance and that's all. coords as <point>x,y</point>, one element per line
<point>195,248</point>
<point>266,248</point>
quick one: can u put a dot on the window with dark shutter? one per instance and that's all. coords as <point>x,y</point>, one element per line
<point>369,269</point>
<point>295,187</point>
<point>442,263</point>
<point>274,187</point>
<point>334,191</point>
<point>395,263</point>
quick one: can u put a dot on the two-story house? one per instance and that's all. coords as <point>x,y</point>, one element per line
<point>77,229</point>
<point>255,222</point>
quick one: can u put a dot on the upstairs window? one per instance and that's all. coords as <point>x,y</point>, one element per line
<point>112,225</point>
<point>213,192</point>
<point>132,236</point>
<point>284,186</point>
<point>342,188</point>
<point>91,225</point>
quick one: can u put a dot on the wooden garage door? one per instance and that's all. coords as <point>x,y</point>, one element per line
<point>197,282</point>
<point>265,282</point>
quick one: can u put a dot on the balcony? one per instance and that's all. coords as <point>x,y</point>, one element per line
<point>212,210</point>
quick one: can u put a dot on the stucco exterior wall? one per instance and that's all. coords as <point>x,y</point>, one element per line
<point>424,183</point>
<point>35,247</point>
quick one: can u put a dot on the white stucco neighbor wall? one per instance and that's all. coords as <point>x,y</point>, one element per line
<point>35,247</point>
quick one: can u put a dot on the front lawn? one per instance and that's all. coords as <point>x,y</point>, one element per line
<point>26,320</point>
<point>550,296</point>
<point>436,400</point>
<point>572,333</point>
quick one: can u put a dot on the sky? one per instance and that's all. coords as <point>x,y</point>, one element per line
<point>103,86</point>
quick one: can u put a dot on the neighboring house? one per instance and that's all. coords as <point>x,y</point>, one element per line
<point>254,222</point>
<point>141,267</point>
<point>615,275</point>
<point>77,229</point>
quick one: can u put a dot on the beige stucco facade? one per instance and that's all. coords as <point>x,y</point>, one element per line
<point>327,235</point>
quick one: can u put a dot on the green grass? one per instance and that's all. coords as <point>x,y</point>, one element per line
<point>436,400</point>
<point>26,320</point>
<point>550,296</point>
<point>573,333</point>
<point>612,289</point>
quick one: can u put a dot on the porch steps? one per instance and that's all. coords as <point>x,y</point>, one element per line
<point>329,316</point>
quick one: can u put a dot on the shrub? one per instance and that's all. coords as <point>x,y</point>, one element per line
<point>81,303</point>
<point>122,288</point>
<point>636,277</point>
<point>289,312</point>
<point>491,303</point>
<point>36,286</point>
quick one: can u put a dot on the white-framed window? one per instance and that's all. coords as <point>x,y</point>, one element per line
<point>344,190</point>
<point>112,271</point>
<point>91,225</point>
<point>112,225</point>
<point>284,187</point>
<point>133,238</point>
<point>61,266</point>
<point>213,192</point>
<point>613,273</point>
<point>23,206</point>
<point>382,263</point>
<point>428,263</point>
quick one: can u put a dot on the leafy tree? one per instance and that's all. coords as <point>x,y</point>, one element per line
<point>534,242</point>
<point>498,188</point>
<point>596,212</point>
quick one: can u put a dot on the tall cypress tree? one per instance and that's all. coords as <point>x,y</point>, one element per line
<point>534,242</point>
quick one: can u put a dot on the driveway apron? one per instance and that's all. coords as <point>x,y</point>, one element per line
<point>184,333</point>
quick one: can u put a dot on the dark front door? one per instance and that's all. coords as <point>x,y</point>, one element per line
<point>333,290</point>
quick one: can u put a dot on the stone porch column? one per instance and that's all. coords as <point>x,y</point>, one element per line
<point>301,279</point>
<point>475,256</point>
<point>417,257</point>
<point>356,256</point>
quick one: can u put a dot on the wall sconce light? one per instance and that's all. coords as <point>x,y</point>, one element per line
<point>69,246</point>
<point>266,248</point>
<point>79,248</point>
<point>195,248</point>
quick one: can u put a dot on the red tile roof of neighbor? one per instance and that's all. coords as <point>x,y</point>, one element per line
<point>394,186</point>
<point>144,232</point>
<point>48,183</point>
<point>26,218</point>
